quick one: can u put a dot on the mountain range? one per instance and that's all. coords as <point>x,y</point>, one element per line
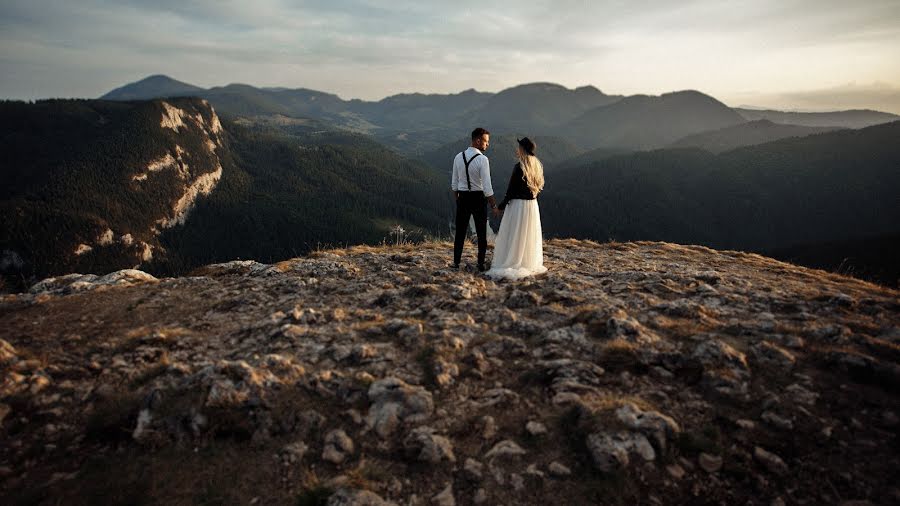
<point>168,184</point>
<point>415,124</point>
<point>95,186</point>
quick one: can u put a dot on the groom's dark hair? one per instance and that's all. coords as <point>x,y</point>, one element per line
<point>478,132</point>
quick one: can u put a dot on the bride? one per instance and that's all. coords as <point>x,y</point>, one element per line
<point>518,248</point>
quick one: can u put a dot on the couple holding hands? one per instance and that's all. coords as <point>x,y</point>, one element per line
<point>518,248</point>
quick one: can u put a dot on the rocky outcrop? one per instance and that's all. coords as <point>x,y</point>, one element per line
<point>649,372</point>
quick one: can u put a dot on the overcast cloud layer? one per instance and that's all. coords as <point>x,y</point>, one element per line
<point>806,54</point>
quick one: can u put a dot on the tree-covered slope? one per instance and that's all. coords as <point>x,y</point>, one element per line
<point>836,186</point>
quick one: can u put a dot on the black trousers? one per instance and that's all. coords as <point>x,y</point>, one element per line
<point>470,204</point>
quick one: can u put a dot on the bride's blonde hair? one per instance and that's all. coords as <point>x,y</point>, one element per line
<point>532,170</point>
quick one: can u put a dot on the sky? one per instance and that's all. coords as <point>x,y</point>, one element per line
<point>786,54</point>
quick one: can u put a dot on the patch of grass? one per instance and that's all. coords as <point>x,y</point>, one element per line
<point>152,372</point>
<point>619,355</point>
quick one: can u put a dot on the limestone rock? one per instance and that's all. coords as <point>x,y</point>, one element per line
<point>770,461</point>
<point>710,463</point>
<point>610,450</point>
<point>338,446</point>
<point>505,449</point>
<point>444,497</point>
<point>657,426</point>
<point>428,446</point>
<point>395,402</point>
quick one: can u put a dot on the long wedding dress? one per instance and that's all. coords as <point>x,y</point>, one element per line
<point>518,247</point>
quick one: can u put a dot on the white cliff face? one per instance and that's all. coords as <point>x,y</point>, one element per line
<point>172,168</point>
<point>203,185</point>
<point>106,238</point>
<point>173,117</point>
<point>155,166</point>
<point>146,252</point>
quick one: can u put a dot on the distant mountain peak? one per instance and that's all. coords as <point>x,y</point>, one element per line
<point>153,86</point>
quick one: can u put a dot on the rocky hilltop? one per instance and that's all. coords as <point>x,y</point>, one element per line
<point>643,372</point>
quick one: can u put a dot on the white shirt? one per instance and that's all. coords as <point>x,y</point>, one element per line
<point>479,173</point>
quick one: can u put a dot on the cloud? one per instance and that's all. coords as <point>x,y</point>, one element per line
<point>369,49</point>
<point>881,96</point>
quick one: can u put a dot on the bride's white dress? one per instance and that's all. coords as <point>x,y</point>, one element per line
<point>518,247</point>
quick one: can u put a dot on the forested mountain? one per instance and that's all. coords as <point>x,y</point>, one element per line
<point>836,186</point>
<point>93,186</point>
<point>537,108</point>
<point>746,134</point>
<point>285,195</point>
<point>843,119</point>
<point>418,111</point>
<point>89,185</point>
<point>648,122</point>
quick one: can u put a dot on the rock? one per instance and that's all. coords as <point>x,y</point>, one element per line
<point>517,482</point>
<point>571,376</point>
<point>712,352</point>
<point>495,396</point>
<point>489,428</point>
<point>675,471</point>
<point>395,402</point>
<point>480,496</point>
<point>710,463</point>
<point>71,283</point>
<point>801,395</point>
<point>474,469</point>
<point>773,355</point>
<point>519,299</point>
<point>338,446</point>
<point>777,421</point>
<point>505,448</point>
<point>428,446</point>
<point>610,451</point>
<point>532,470</point>
<point>653,423</point>
<point>144,421</point>
<point>293,453</point>
<point>770,461</point>
<point>349,497</point>
<point>559,470</point>
<point>445,497</point>
<point>535,428</point>
<point>7,353</point>
<point>620,325</point>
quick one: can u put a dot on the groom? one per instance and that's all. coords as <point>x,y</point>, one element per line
<point>471,185</point>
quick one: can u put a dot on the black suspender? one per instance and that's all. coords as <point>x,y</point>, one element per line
<point>467,162</point>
